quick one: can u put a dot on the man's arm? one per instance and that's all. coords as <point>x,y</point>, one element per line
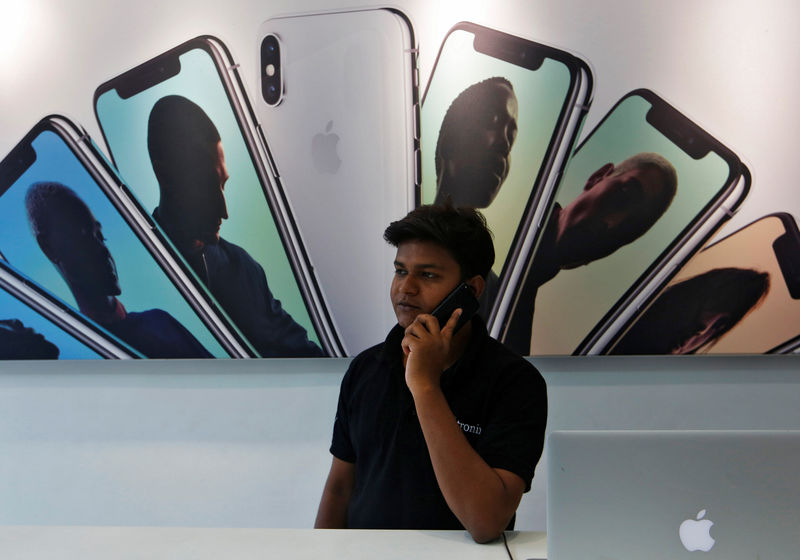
<point>482,498</point>
<point>332,512</point>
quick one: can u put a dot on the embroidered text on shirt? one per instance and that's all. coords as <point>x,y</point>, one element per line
<point>469,429</point>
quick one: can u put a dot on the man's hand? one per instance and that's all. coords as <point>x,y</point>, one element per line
<point>482,498</point>
<point>427,350</point>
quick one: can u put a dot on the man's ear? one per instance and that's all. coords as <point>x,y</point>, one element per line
<point>598,176</point>
<point>477,284</point>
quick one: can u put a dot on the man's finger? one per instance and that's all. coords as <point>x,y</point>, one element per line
<point>450,326</point>
<point>429,322</point>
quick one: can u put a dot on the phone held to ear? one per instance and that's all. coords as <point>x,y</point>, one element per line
<point>461,297</point>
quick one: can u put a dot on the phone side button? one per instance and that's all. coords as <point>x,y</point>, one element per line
<point>418,165</point>
<point>272,165</point>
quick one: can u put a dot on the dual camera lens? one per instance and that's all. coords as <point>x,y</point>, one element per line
<point>271,81</point>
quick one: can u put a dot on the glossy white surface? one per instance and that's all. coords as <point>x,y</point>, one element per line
<point>129,543</point>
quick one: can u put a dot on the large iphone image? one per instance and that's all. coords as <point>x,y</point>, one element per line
<point>338,104</point>
<point>181,131</point>
<point>739,295</point>
<point>499,118</point>
<point>63,230</point>
<point>643,192</point>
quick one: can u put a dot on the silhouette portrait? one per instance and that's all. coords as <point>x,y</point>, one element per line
<point>618,204</point>
<point>72,239</point>
<point>188,159</point>
<point>473,151</point>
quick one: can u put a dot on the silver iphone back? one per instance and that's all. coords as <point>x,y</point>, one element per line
<point>337,101</point>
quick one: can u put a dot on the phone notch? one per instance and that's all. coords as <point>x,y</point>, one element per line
<point>787,253</point>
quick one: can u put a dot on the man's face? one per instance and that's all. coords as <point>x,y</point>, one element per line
<point>203,203</point>
<point>424,273</point>
<point>608,214</point>
<point>479,159</point>
<point>74,242</point>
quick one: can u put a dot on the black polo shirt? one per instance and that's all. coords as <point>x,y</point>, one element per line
<point>498,398</point>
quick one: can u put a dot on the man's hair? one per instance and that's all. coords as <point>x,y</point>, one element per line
<point>179,134</point>
<point>669,178</point>
<point>43,198</point>
<point>461,110</point>
<point>461,231</point>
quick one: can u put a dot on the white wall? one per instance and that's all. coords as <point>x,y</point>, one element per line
<point>245,443</point>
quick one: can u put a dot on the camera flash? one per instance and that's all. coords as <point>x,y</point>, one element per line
<point>270,69</point>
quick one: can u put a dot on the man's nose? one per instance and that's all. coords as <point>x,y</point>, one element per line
<point>500,140</point>
<point>408,285</point>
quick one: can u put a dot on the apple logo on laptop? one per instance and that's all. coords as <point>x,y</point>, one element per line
<point>695,533</point>
<point>324,150</point>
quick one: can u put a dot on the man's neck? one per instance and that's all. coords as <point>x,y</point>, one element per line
<point>177,235</point>
<point>104,310</point>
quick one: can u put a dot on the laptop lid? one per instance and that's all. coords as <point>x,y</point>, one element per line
<point>700,495</point>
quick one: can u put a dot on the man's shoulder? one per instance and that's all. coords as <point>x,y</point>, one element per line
<point>375,361</point>
<point>367,359</point>
<point>150,315</point>
<point>230,247</point>
<point>236,253</point>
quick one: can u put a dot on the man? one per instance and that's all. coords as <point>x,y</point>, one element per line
<point>435,429</point>
<point>474,146</point>
<point>617,206</point>
<point>189,163</point>
<point>72,239</point>
<point>473,153</point>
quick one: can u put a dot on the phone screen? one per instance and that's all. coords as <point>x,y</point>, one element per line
<point>25,334</point>
<point>123,107</point>
<point>507,125</point>
<point>733,297</point>
<point>617,229</point>
<point>71,206</point>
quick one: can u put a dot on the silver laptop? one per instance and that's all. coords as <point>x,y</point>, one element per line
<point>700,495</point>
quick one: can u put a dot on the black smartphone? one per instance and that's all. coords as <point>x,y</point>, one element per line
<point>642,193</point>
<point>181,130</point>
<point>67,226</point>
<point>739,295</point>
<point>499,118</point>
<point>462,297</point>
